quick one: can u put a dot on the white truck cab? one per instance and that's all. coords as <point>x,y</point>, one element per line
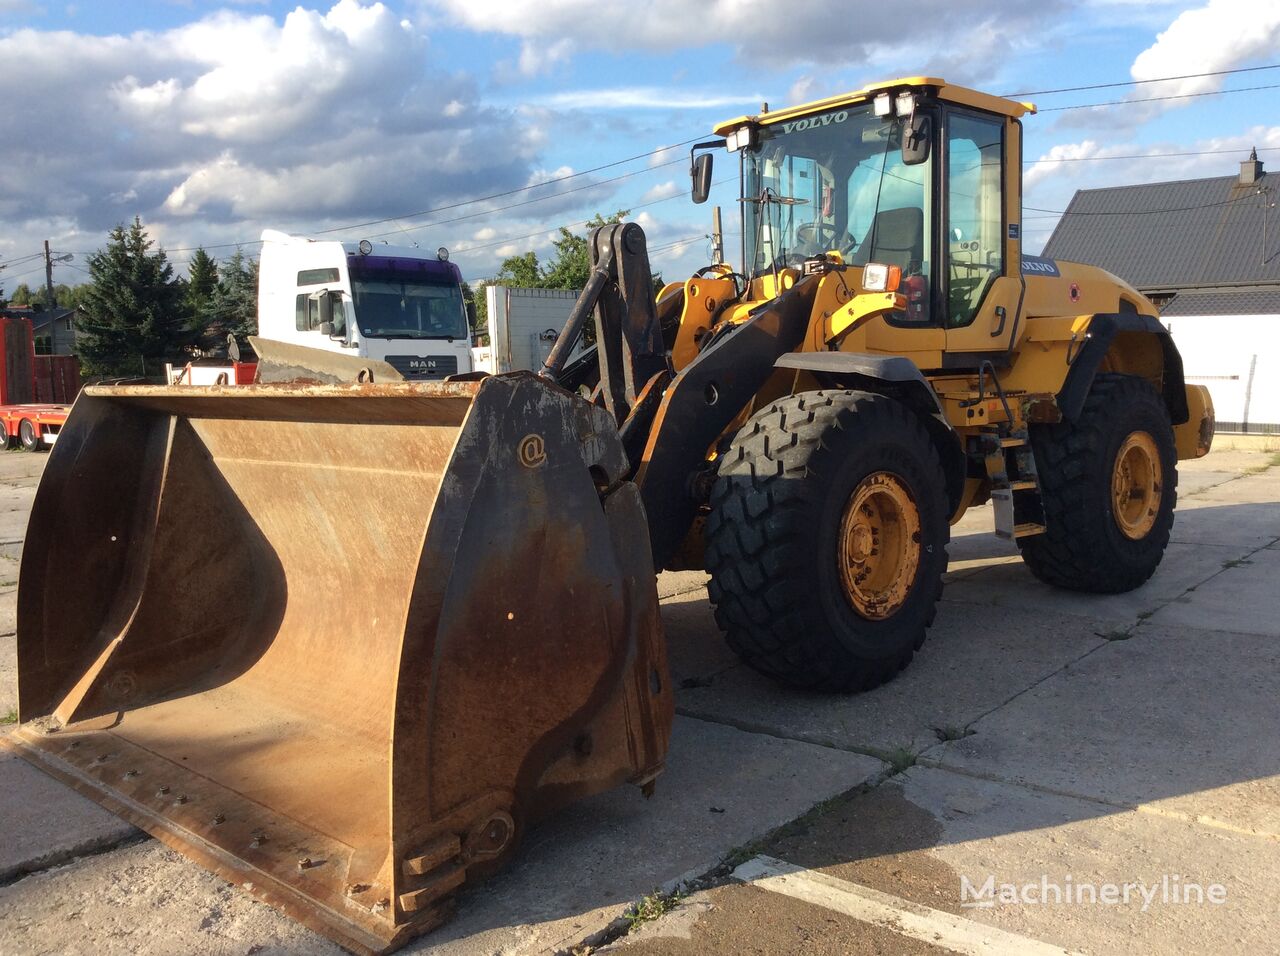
<point>392,303</point>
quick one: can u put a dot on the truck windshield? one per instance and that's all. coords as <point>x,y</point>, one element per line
<point>391,306</point>
<point>834,181</point>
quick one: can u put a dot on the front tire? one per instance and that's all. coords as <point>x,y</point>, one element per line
<point>826,541</point>
<point>1109,483</point>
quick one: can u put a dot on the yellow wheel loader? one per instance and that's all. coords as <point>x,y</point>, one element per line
<point>341,638</point>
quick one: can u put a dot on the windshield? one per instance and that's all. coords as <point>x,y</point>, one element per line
<point>415,307</point>
<point>835,182</point>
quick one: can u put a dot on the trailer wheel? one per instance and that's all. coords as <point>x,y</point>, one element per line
<point>1109,481</point>
<point>826,540</point>
<point>28,435</point>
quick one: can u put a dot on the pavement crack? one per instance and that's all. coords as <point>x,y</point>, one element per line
<point>96,846</point>
<point>934,763</point>
<point>764,730</point>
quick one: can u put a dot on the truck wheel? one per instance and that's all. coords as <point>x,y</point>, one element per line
<point>826,541</point>
<point>1109,481</point>
<point>27,434</point>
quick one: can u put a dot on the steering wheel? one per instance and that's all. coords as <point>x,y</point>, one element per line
<point>815,237</point>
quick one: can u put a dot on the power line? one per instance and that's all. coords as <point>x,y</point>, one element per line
<point>468,202</point>
<point>520,189</point>
<point>1158,99</point>
<point>572,225</point>
<point>21,259</point>
<point>1142,212</point>
<point>1162,79</point>
<point>514,205</point>
<point>1094,159</point>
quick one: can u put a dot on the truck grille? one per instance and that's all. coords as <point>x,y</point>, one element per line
<point>416,368</point>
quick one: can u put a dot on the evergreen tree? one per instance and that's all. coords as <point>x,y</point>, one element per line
<point>232,306</point>
<point>203,280</point>
<point>132,319</point>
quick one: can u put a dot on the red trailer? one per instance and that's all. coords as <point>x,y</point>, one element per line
<point>36,391</point>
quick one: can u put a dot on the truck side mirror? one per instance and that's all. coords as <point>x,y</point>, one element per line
<point>325,304</point>
<point>471,314</point>
<point>701,175</point>
<point>916,139</point>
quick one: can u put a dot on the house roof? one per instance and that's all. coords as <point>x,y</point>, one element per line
<point>1179,235</point>
<point>1234,302</point>
<point>38,317</point>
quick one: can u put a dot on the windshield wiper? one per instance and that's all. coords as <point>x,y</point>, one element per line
<point>409,334</point>
<point>770,197</point>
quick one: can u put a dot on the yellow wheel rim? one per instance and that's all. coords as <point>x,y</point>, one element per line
<point>879,545</point>
<point>1137,484</point>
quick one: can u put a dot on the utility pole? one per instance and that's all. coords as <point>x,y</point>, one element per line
<point>50,301</point>
<point>717,237</point>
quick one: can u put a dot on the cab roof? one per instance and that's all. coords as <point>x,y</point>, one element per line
<point>943,90</point>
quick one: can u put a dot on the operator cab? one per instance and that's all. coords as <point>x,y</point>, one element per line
<point>911,186</point>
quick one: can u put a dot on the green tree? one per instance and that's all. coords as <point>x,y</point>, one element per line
<point>232,305</point>
<point>22,295</point>
<point>63,293</point>
<point>568,268</point>
<point>202,272</point>
<point>74,296</point>
<point>132,318</point>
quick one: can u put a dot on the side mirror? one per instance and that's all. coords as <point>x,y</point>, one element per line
<point>325,304</point>
<point>701,174</point>
<point>471,313</point>
<point>916,139</point>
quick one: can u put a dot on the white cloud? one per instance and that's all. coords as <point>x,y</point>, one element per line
<point>244,120</point>
<point>644,97</point>
<point>661,191</point>
<point>801,90</point>
<point>1221,35</point>
<point>814,32</point>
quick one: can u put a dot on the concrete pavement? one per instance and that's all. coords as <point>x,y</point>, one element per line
<point>1037,736</point>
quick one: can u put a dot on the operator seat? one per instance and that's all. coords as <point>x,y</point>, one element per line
<point>896,239</point>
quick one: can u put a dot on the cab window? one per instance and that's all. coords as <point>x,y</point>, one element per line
<point>975,197</point>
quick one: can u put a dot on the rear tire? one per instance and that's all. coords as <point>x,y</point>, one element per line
<point>826,541</point>
<point>1109,483</point>
<point>28,436</point>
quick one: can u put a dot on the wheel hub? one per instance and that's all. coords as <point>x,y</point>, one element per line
<point>1137,481</point>
<point>879,545</point>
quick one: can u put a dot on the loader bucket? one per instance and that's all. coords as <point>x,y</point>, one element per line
<point>341,643</point>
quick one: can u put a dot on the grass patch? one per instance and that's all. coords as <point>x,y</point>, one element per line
<point>651,907</point>
<point>951,732</point>
<point>10,718</point>
<point>1235,563</point>
<point>900,759</point>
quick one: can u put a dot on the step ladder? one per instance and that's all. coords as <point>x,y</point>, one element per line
<point>1015,485</point>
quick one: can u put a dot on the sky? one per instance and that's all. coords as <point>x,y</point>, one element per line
<point>428,121</point>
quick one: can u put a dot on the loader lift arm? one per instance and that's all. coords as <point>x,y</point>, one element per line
<point>669,423</point>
